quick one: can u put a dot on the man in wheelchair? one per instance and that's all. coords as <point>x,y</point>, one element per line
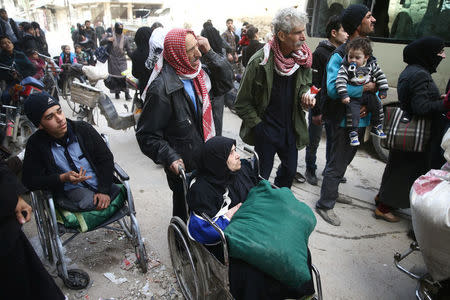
<point>68,158</point>
<point>218,188</point>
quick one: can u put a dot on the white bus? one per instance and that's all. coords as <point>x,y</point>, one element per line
<point>398,23</point>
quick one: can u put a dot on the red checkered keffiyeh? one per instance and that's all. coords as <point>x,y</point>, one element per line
<point>286,66</point>
<point>175,54</point>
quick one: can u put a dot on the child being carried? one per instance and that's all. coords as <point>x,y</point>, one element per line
<point>358,68</point>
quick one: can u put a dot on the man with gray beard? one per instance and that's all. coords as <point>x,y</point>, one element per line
<point>272,96</point>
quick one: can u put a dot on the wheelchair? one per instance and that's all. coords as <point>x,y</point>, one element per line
<point>50,232</point>
<point>427,288</point>
<point>199,273</point>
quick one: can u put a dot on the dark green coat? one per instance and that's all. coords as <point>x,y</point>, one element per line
<point>254,96</point>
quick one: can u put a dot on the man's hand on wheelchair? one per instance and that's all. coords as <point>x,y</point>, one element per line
<point>74,177</point>
<point>23,211</point>
<point>102,201</point>
<point>174,166</point>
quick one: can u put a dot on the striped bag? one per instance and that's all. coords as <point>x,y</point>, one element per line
<point>405,134</point>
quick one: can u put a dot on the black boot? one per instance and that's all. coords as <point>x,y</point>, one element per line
<point>311,177</point>
<point>117,95</point>
<point>127,96</point>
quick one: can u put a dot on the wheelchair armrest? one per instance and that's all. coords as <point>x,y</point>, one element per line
<point>222,237</point>
<point>120,172</point>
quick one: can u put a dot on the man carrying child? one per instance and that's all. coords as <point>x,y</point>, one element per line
<point>360,67</point>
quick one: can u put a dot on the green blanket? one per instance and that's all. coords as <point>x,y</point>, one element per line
<point>85,221</point>
<point>270,231</point>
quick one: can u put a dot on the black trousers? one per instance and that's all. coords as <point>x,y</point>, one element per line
<point>267,146</point>
<point>373,106</point>
<point>341,155</point>
<point>248,283</point>
<point>178,197</point>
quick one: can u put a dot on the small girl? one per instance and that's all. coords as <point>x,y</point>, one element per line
<point>38,63</point>
<point>82,57</point>
<point>66,56</point>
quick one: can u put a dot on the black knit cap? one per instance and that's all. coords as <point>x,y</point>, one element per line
<point>36,105</point>
<point>352,17</point>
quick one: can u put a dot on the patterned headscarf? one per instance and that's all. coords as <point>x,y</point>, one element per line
<point>175,54</point>
<point>286,66</point>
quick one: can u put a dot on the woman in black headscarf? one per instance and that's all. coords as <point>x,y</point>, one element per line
<point>220,47</point>
<point>418,95</point>
<point>215,40</point>
<point>139,56</point>
<point>117,43</point>
<point>220,185</point>
<point>218,189</point>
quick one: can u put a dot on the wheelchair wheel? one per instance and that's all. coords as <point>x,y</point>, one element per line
<point>77,279</point>
<point>42,223</point>
<point>185,261</point>
<point>133,232</point>
<point>139,247</point>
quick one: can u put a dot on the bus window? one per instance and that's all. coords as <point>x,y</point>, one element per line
<point>409,20</point>
<point>398,21</point>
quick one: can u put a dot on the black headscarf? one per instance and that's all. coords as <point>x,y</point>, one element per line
<point>214,176</point>
<point>141,39</point>
<point>424,52</point>
<point>213,162</point>
<point>117,28</point>
<point>214,39</point>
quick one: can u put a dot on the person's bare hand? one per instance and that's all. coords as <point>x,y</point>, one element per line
<point>74,177</point>
<point>15,75</point>
<point>317,120</point>
<point>308,101</point>
<point>174,166</point>
<point>370,87</point>
<point>346,100</point>
<point>111,39</point>
<point>383,96</point>
<point>203,44</point>
<point>22,206</point>
<point>102,201</point>
<point>363,111</point>
<point>230,213</point>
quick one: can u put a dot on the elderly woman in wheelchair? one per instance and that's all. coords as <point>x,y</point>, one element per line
<point>70,162</point>
<point>217,191</point>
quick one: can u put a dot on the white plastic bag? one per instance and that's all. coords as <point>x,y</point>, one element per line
<point>430,210</point>
<point>94,73</point>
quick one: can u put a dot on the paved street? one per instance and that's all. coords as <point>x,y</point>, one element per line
<point>355,260</point>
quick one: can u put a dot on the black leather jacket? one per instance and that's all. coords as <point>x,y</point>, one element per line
<point>169,128</point>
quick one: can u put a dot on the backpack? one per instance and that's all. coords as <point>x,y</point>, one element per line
<point>102,53</point>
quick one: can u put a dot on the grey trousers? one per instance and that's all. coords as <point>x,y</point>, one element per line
<point>341,155</point>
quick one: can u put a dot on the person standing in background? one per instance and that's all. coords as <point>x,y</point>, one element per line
<point>336,36</point>
<point>118,44</point>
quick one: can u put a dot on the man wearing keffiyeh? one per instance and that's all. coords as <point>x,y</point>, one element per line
<point>272,96</point>
<point>177,117</point>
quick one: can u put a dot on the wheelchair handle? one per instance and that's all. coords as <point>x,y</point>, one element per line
<point>249,150</point>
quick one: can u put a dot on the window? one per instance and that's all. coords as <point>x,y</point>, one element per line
<point>397,20</point>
